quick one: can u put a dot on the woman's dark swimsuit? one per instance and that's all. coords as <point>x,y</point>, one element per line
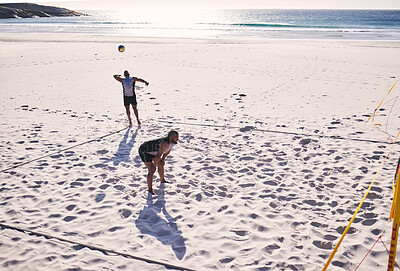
<point>148,149</point>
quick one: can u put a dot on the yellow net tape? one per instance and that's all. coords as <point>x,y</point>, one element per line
<point>395,214</point>
<point>359,206</point>
<point>395,191</point>
<point>373,114</point>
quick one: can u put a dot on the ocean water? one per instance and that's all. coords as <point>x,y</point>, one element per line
<point>189,23</point>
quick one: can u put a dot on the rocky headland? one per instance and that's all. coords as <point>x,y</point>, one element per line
<point>30,10</point>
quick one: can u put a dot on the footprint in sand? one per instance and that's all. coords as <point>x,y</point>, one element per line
<point>318,225</point>
<point>305,141</point>
<point>247,185</point>
<point>125,213</point>
<point>104,186</point>
<point>272,183</point>
<point>323,244</point>
<point>333,203</point>
<point>113,229</point>
<point>313,203</point>
<point>69,153</point>
<point>119,187</point>
<point>69,218</point>
<point>369,222</point>
<point>223,208</point>
<point>240,235</point>
<point>100,197</point>
<point>341,229</point>
<point>82,180</point>
<point>246,158</point>
<point>330,237</point>
<point>269,250</point>
<point>374,157</point>
<point>198,197</point>
<point>70,207</point>
<point>373,196</point>
<point>76,184</point>
<point>226,260</point>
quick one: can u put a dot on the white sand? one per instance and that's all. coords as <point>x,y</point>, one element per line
<point>270,190</point>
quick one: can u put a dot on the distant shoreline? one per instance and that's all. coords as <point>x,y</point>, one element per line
<point>30,10</point>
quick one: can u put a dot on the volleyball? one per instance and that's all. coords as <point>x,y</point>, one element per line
<point>121,48</point>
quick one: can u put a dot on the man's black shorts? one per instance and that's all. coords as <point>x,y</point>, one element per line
<point>130,100</point>
<point>146,157</point>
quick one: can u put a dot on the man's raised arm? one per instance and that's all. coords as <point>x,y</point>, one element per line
<point>118,77</point>
<point>141,80</point>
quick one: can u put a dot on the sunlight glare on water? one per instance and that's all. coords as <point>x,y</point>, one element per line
<point>188,22</point>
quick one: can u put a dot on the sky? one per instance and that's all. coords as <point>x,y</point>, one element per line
<point>266,4</point>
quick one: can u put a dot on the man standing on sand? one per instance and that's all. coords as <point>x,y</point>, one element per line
<point>153,154</point>
<point>128,85</point>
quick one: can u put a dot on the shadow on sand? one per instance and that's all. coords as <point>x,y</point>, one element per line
<point>165,230</point>
<point>124,148</point>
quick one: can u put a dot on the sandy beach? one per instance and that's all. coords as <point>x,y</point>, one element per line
<point>275,153</point>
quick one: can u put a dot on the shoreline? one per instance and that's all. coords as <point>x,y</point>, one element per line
<point>110,38</point>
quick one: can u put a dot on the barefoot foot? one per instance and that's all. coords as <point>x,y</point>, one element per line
<point>164,181</point>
